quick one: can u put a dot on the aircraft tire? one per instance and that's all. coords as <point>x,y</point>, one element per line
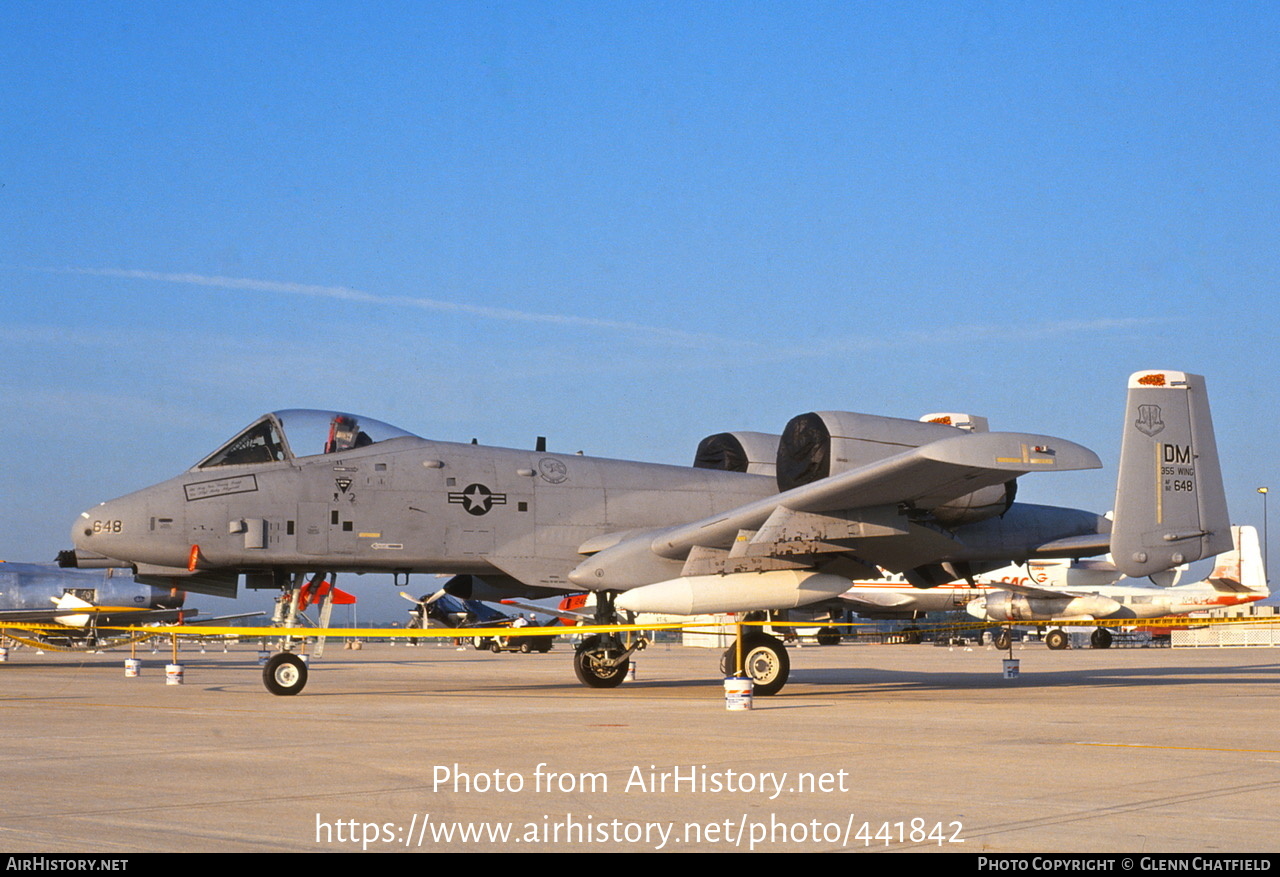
<point>284,674</point>
<point>1100,638</point>
<point>765,661</point>
<point>829,636</point>
<point>1056,640</point>
<point>591,674</point>
<point>913,637</point>
<point>1001,639</point>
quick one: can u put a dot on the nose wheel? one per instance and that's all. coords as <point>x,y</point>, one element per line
<point>284,674</point>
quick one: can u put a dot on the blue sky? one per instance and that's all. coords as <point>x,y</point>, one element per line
<point>625,226</point>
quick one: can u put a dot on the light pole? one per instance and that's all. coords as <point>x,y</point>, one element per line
<point>1266,570</point>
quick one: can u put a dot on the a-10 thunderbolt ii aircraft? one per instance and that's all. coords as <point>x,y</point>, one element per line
<point>300,492</point>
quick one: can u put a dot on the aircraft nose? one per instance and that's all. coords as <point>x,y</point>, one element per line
<point>109,528</point>
<point>82,529</point>
<point>85,554</point>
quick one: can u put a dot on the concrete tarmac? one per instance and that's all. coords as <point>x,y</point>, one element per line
<point>397,748</point>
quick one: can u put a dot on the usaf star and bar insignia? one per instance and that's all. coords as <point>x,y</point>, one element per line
<point>477,499</point>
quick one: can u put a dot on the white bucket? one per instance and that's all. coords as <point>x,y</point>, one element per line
<point>131,668</point>
<point>1011,668</point>
<point>737,694</point>
<point>172,674</point>
<point>4,654</point>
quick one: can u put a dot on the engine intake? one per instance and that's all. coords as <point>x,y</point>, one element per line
<point>751,452</point>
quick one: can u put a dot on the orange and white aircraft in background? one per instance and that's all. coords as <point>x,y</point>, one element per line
<point>1062,591</point>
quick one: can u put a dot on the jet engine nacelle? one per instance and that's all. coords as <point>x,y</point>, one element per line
<point>824,443</point>
<point>752,452</point>
<point>1005,606</point>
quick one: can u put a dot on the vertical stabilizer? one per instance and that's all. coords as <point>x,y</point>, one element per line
<point>1240,569</point>
<point>1170,504</point>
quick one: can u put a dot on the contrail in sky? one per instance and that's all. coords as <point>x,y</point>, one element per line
<point>744,348</point>
<point>344,293</point>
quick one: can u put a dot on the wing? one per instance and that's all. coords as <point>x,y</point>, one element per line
<point>188,617</point>
<point>1043,593</point>
<point>567,615</point>
<point>872,514</point>
<point>78,616</point>
<point>35,616</point>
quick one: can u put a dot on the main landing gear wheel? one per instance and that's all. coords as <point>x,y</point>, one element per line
<point>1100,638</point>
<point>1001,639</point>
<point>284,674</point>
<point>764,660</point>
<point>829,636</point>
<point>592,663</point>
<point>1056,640</point>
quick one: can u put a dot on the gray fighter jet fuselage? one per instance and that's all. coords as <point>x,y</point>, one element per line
<point>522,521</point>
<point>303,491</point>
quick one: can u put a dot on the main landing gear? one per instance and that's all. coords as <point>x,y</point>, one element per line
<point>764,661</point>
<point>602,660</point>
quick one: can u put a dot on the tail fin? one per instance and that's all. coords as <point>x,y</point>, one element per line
<point>1170,504</point>
<point>1240,569</point>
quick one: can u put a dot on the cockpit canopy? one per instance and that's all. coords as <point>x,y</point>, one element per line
<point>296,432</point>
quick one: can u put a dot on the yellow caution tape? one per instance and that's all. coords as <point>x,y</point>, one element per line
<point>561,630</point>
